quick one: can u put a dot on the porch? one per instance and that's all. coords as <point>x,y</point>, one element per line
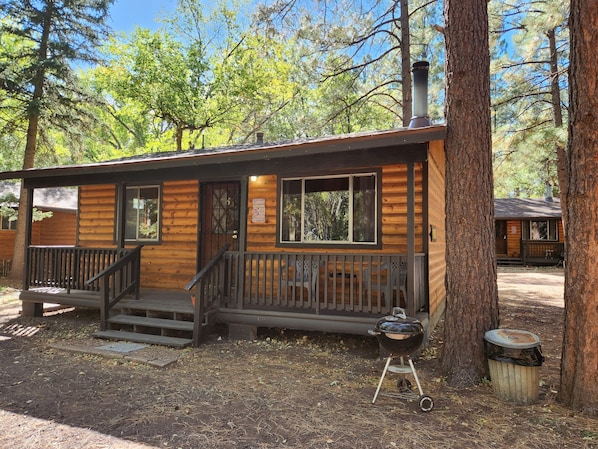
<point>535,252</point>
<point>330,292</point>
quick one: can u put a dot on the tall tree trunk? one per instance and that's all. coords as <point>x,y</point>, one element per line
<point>34,112</point>
<point>472,293</point>
<point>406,64</point>
<point>579,361</point>
<point>557,114</point>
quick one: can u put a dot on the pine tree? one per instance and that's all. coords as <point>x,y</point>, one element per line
<point>54,34</point>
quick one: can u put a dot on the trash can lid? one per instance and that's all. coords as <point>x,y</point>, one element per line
<point>512,338</point>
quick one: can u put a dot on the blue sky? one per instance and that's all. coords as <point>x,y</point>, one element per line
<point>126,14</point>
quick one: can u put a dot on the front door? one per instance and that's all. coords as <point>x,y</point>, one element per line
<point>219,218</point>
<point>501,237</point>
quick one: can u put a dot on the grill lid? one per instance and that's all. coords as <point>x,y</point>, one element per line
<point>398,323</point>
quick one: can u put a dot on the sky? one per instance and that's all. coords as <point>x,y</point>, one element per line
<point>127,14</point>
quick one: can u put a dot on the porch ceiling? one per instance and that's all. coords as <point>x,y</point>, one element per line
<point>365,149</point>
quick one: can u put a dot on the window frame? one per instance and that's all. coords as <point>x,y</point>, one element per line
<point>552,225</point>
<point>377,227</point>
<point>121,211</point>
<point>12,224</point>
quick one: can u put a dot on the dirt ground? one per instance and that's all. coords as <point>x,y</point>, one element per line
<point>283,390</point>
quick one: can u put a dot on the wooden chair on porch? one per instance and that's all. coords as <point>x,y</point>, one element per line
<point>380,279</point>
<point>304,274</point>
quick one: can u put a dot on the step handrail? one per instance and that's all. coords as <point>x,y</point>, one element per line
<point>117,281</point>
<point>208,285</point>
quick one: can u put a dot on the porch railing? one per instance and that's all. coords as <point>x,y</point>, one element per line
<point>68,267</point>
<point>117,281</point>
<point>208,287</point>
<point>539,252</point>
<point>329,283</point>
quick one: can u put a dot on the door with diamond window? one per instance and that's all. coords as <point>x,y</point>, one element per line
<point>220,218</point>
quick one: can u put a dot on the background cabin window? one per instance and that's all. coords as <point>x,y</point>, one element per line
<point>8,224</point>
<point>543,230</point>
<point>142,213</point>
<point>335,209</point>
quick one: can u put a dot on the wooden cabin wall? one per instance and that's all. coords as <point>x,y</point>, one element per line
<point>514,238</point>
<point>169,264</point>
<point>7,244</point>
<point>262,236</point>
<point>59,229</point>
<point>96,216</point>
<point>173,263</point>
<point>436,218</point>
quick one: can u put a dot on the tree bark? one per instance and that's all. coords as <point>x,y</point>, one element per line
<point>472,294</point>
<point>579,361</point>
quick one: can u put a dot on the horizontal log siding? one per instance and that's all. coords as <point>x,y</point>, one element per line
<point>96,216</point>
<point>59,229</point>
<point>172,263</point>
<point>7,244</point>
<point>169,264</point>
<point>436,218</point>
<point>514,238</point>
<point>394,209</point>
<point>262,236</point>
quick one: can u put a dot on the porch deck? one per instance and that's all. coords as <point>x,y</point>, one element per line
<point>327,292</point>
<point>154,303</point>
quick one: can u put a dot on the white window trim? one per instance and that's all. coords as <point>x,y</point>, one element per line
<point>351,177</point>
<point>159,218</point>
<point>551,222</point>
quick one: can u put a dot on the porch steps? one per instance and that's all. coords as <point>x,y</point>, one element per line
<point>161,323</point>
<point>159,318</point>
<point>151,339</point>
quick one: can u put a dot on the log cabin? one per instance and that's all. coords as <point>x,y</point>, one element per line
<point>529,231</point>
<point>325,234</point>
<point>58,229</point>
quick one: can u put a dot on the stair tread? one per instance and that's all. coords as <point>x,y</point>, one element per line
<point>176,307</point>
<point>163,323</point>
<point>144,338</point>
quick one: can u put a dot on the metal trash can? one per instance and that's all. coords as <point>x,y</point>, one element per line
<point>514,359</point>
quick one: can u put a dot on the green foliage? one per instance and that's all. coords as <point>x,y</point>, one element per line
<point>41,41</point>
<point>216,74</point>
<point>527,128</point>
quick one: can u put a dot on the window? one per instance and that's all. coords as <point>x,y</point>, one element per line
<point>142,213</point>
<point>8,224</point>
<point>543,230</point>
<point>334,209</point>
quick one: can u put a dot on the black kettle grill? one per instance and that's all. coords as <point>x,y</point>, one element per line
<point>401,336</point>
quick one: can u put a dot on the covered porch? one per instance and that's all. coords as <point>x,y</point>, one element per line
<point>331,292</point>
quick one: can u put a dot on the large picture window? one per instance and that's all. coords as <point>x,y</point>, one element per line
<point>543,230</point>
<point>142,213</point>
<point>333,209</point>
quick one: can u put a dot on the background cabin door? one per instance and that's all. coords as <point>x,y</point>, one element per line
<point>501,237</point>
<point>219,218</point>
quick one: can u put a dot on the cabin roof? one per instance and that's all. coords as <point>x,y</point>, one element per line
<point>51,198</point>
<point>527,208</point>
<point>251,156</point>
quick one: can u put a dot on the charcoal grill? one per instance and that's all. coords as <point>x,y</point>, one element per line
<point>401,336</point>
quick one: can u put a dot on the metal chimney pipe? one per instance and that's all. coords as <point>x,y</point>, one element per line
<point>420,117</point>
<point>259,137</point>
